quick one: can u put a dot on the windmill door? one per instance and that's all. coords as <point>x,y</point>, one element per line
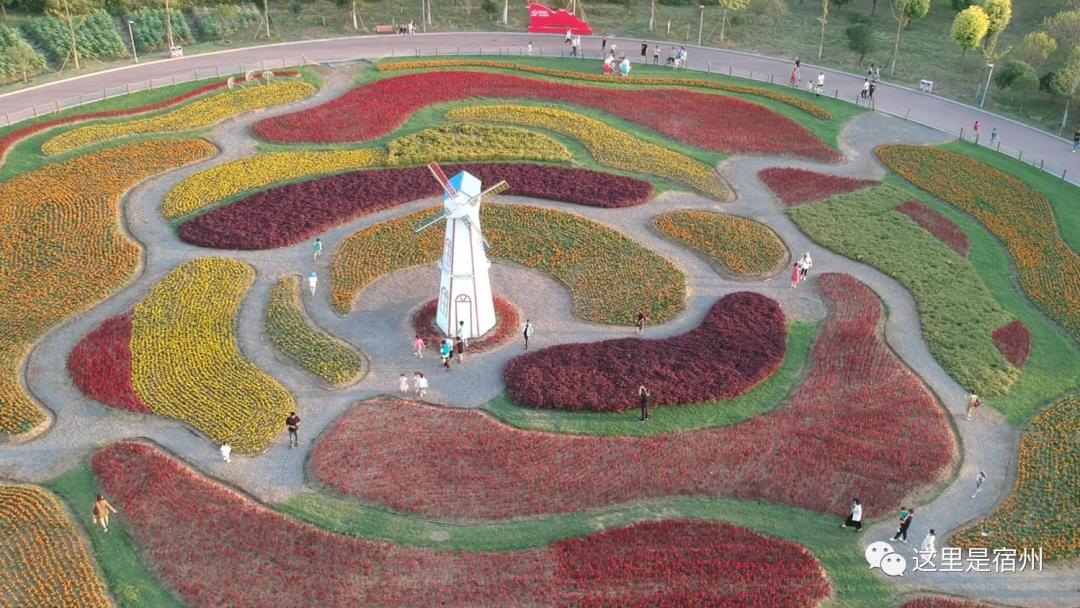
<point>463,312</point>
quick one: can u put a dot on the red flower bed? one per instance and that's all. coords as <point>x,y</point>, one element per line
<point>507,321</point>
<point>1014,342</point>
<point>714,122</point>
<point>740,343</point>
<point>8,141</point>
<point>938,225</point>
<point>219,548</point>
<point>943,602</point>
<point>834,439</point>
<point>100,365</point>
<point>798,186</point>
<point>290,214</point>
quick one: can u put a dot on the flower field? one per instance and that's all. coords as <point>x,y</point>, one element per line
<point>186,363</point>
<point>289,214</point>
<point>46,563</point>
<point>1044,507</point>
<point>1017,214</point>
<point>797,187</point>
<point>100,365</point>
<point>739,344</point>
<point>610,277</point>
<point>609,146</point>
<point>737,245</point>
<point>507,324</point>
<point>1014,342</point>
<point>202,539</point>
<point>468,142</point>
<point>294,334</point>
<point>235,177</point>
<point>62,249</point>
<point>201,113</point>
<point>938,225</point>
<point>834,439</point>
<point>718,123</point>
<point>957,311</point>
<point>943,602</point>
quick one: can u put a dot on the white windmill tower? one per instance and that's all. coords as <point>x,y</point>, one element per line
<point>465,289</point>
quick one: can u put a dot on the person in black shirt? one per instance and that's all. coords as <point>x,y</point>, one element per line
<point>293,424</point>
<point>644,397</point>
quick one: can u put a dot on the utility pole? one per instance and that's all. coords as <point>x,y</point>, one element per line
<point>987,87</point>
<point>132,36</point>
<point>71,31</point>
<point>700,23</point>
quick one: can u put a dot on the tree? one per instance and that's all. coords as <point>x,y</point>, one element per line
<point>959,5</point>
<point>822,19</point>
<point>969,28</point>
<point>860,39</point>
<point>1065,81</point>
<point>1064,27</point>
<point>1000,13</point>
<point>904,11</point>
<point>352,5</point>
<point>22,58</point>
<point>734,5</point>
<point>66,9</point>
<point>1037,48</point>
<point>1017,76</point>
<point>489,7</point>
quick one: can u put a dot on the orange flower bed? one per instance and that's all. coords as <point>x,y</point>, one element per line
<point>44,561</point>
<point>1049,271</point>
<point>62,250</point>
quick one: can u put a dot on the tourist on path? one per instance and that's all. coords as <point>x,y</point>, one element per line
<point>226,452</point>
<point>656,54</point>
<point>421,385</point>
<point>993,136</point>
<point>312,281</point>
<point>1076,140</point>
<point>805,264</point>
<point>820,83</point>
<point>873,87</point>
<point>416,383</point>
<point>603,44</point>
<point>973,403</point>
<point>461,332</point>
<point>624,67</point>
<point>569,36</point>
<point>644,397</point>
<point>928,548</point>
<point>418,347</point>
<point>529,51</point>
<point>445,351</point>
<point>975,128</point>
<point>980,479</point>
<point>644,52</point>
<point>527,331</point>
<point>642,319</point>
<point>318,248</point>
<point>855,519</point>
<point>101,512</point>
<point>865,88</point>
<point>794,81</point>
<point>906,515</point>
<point>293,424</point>
<point>796,272</point>
<point>798,69</point>
<point>403,385</point>
<point>459,348</point>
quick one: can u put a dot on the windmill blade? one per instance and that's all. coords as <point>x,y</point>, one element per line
<point>496,189</point>
<point>440,177</point>
<point>470,226</point>
<point>432,222</point>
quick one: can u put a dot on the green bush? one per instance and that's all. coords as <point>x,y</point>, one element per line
<point>95,34</point>
<point>219,22</point>
<point>17,58</point>
<point>149,28</point>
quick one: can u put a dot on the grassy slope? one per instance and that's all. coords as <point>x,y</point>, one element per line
<point>764,398</point>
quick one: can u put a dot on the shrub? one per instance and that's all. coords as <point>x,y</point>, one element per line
<point>149,28</point>
<point>96,37</point>
<point>18,60</point>
<point>221,21</point>
<point>740,343</point>
<point>799,186</point>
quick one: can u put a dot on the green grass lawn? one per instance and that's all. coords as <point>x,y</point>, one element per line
<point>764,398</point>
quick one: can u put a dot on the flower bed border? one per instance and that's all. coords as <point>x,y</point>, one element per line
<point>507,321</point>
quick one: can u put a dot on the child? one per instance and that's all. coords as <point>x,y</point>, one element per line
<point>226,450</point>
<point>403,385</point>
<point>101,512</point>
<point>416,383</point>
<point>418,347</point>
<point>445,352</point>
<point>459,347</point>
<point>422,384</point>
<point>796,272</point>
<point>973,404</point>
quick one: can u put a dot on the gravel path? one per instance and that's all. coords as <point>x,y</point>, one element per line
<point>379,327</point>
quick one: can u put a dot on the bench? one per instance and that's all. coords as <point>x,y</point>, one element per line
<point>386,29</point>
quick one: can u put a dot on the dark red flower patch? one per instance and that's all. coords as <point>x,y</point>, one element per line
<point>9,140</point>
<point>1014,343</point>
<point>943,602</point>
<point>938,225</point>
<point>100,365</point>
<point>740,343</point>
<point>507,321</point>
<point>834,439</point>
<point>798,186</point>
<point>290,214</point>
<point>219,548</point>
<point>714,122</point>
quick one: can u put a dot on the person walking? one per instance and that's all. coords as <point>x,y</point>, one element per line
<point>603,44</point>
<point>929,547</point>
<point>312,281</point>
<point>644,397</point>
<point>973,403</point>
<point>445,351</point>
<point>796,272</point>
<point>865,88</point>
<point>993,136</point>
<point>569,37</point>
<point>873,87</point>
<point>318,249</point>
<point>642,319</point>
<point>906,515</point>
<point>226,452</point>
<point>528,50</point>
<point>980,479</point>
<point>805,264</point>
<point>416,383</point>
<point>975,128</point>
<point>421,385</point>
<point>798,69</point>
<point>573,47</point>
<point>855,519</point>
<point>527,332</point>
<point>820,83</point>
<point>403,385</point>
<point>656,54</point>
<point>644,52</point>
<point>101,512</point>
<point>293,424</point>
<point>684,57</point>
<point>459,348</point>
<point>794,81</point>
<point>1076,140</point>
<point>418,347</point>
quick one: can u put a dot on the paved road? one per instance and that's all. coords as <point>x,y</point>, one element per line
<point>949,116</point>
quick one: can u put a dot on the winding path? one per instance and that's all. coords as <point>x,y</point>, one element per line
<point>379,328</point>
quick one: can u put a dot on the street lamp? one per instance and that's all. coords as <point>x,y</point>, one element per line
<point>132,37</point>
<point>700,23</point>
<point>987,87</point>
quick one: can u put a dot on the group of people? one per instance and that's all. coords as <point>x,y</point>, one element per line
<point>419,385</point>
<point>800,269</point>
<point>406,28</point>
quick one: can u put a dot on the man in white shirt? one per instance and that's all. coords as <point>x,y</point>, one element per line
<point>928,548</point>
<point>855,519</point>
<point>526,331</point>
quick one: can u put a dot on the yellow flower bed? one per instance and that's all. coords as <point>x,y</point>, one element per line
<point>1049,271</point>
<point>740,246</point>
<point>608,145</point>
<point>185,362</point>
<point>1044,507</point>
<point>224,181</point>
<point>294,334</point>
<point>61,249</point>
<point>730,87</point>
<point>44,560</point>
<point>610,277</point>
<point>197,114</point>
<point>470,142</point>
